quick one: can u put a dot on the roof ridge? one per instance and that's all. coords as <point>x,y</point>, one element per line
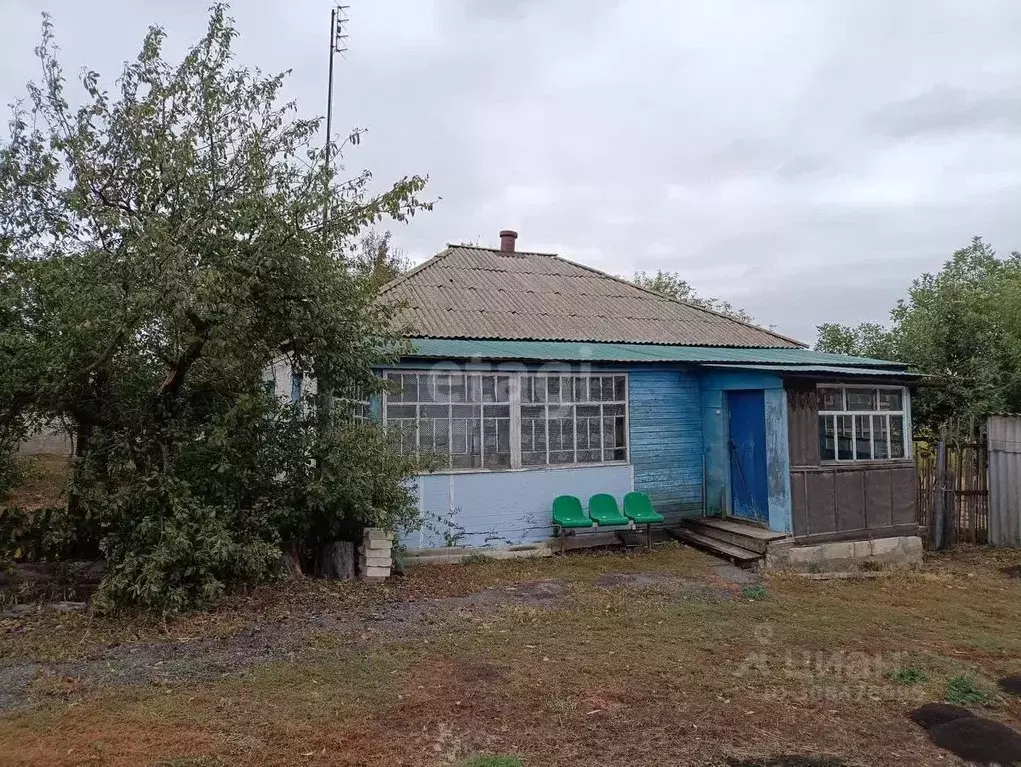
<point>500,251</point>
<point>656,293</point>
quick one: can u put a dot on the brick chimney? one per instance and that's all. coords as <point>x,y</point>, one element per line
<point>507,238</point>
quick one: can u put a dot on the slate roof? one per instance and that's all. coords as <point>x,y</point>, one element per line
<point>481,293</point>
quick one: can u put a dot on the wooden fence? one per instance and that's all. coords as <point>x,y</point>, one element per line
<point>953,492</point>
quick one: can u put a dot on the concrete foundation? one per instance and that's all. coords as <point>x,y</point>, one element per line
<point>846,556</point>
<point>455,554</point>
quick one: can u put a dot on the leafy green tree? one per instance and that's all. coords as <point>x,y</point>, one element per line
<point>160,246</point>
<point>671,284</point>
<point>378,259</point>
<point>868,339</point>
<point>960,326</point>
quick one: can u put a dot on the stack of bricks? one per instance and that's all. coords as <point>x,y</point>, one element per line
<point>376,554</point>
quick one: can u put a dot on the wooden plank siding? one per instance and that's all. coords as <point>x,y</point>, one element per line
<point>802,423</point>
<point>666,439</point>
<point>834,501</point>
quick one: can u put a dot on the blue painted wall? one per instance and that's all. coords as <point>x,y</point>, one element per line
<point>677,417</point>
<point>778,461</point>
<point>504,508</point>
<point>666,439</point>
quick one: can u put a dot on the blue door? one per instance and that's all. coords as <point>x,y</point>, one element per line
<point>747,446</point>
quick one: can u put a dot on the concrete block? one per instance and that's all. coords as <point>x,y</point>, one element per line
<point>376,572</point>
<point>377,534</point>
<point>912,546</point>
<point>803,555</point>
<point>885,546</point>
<point>379,544</point>
<point>833,552</point>
<point>862,549</point>
<point>375,562</point>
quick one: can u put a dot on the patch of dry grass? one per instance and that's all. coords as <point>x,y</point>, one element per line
<point>654,676</point>
<point>45,483</point>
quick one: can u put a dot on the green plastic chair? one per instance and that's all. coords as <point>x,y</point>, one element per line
<point>638,508</point>
<point>568,513</point>
<point>604,511</point>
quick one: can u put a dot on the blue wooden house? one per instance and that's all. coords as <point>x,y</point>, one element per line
<point>533,376</point>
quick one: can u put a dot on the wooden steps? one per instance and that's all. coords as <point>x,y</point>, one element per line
<point>743,543</point>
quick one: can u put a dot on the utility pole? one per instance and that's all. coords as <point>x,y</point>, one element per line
<point>338,44</point>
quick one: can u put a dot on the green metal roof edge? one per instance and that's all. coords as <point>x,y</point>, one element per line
<point>836,369</point>
<point>574,351</point>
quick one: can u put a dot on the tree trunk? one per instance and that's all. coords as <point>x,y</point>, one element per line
<point>292,559</point>
<point>337,561</point>
<point>82,438</point>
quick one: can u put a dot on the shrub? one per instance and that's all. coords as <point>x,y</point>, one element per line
<point>962,690</point>
<point>493,761</point>
<point>755,593</point>
<point>46,534</point>
<point>908,676</point>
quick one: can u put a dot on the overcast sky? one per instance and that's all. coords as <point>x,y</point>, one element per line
<point>803,160</point>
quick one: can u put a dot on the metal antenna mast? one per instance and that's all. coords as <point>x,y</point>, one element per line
<point>338,44</point>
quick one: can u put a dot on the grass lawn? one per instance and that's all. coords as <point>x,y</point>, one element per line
<point>646,659</point>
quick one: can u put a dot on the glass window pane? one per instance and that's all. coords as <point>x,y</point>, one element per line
<point>561,456</point>
<point>408,431</point>
<point>827,440</point>
<point>863,437</point>
<point>590,456</point>
<point>528,388</point>
<point>496,443</point>
<point>879,433</point>
<point>425,435</point>
<point>426,388</point>
<point>434,411</point>
<point>441,391</point>
<point>607,389</point>
<point>861,399</point>
<point>843,436</point>
<point>896,436</point>
<point>409,387</point>
<point>613,409</point>
<point>567,389</point>
<point>474,388</point>
<point>394,412</point>
<point>533,435</point>
<point>618,388</point>
<point>580,389</point>
<point>489,388</point>
<point>891,399</point>
<point>497,411</point>
<point>441,435</point>
<point>831,398</point>
<point>588,411</point>
<point>464,411</point>
<point>553,389</point>
<point>458,390</point>
<point>503,388</point>
<point>459,436</point>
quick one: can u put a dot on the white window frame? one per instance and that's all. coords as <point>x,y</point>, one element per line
<point>904,412</point>
<point>516,379</point>
<point>589,403</point>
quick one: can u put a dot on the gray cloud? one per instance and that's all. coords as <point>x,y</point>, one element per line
<point>802,160</point>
